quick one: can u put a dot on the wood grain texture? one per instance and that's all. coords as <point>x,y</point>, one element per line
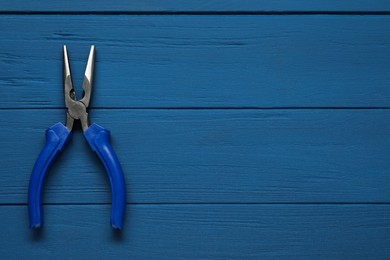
<point>209,156</point>
<point>246,129</point>
<point>199,61</point>
<point>196,6</point>
<point>201,232</point>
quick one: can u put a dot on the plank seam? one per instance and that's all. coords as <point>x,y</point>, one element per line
<point>203,108</point>
<point>198,13</point>
<point>206,203</point>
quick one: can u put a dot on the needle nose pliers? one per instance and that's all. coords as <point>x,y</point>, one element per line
<point>58,135</point>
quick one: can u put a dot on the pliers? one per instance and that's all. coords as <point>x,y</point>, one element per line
<point>58,135</point>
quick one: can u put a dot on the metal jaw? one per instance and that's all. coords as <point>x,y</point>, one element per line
<point>77,110</point>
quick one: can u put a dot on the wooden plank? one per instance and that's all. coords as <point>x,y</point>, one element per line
<point>199,61</point>
<point>196,6</point>
<point>201,232</point>
<point>209,156</point>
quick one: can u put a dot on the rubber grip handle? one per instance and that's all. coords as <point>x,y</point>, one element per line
<point>98,139</point>
<point>56,138</point>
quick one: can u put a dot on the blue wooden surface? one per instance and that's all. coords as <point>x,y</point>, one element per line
<point>209,156</point>
<point>200,61</point>
<point>201,232</point>
<point>246,129</point>
<point>146,6</point>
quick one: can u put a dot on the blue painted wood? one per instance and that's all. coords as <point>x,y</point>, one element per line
<point>209,156</point>
<point>203,183</point>
<point>201,232</point>
<point>199,61</point>
<point>195,6</point>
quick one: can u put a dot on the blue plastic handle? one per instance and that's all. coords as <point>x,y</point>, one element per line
<point>98,139</point>
<point>56,138</point>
